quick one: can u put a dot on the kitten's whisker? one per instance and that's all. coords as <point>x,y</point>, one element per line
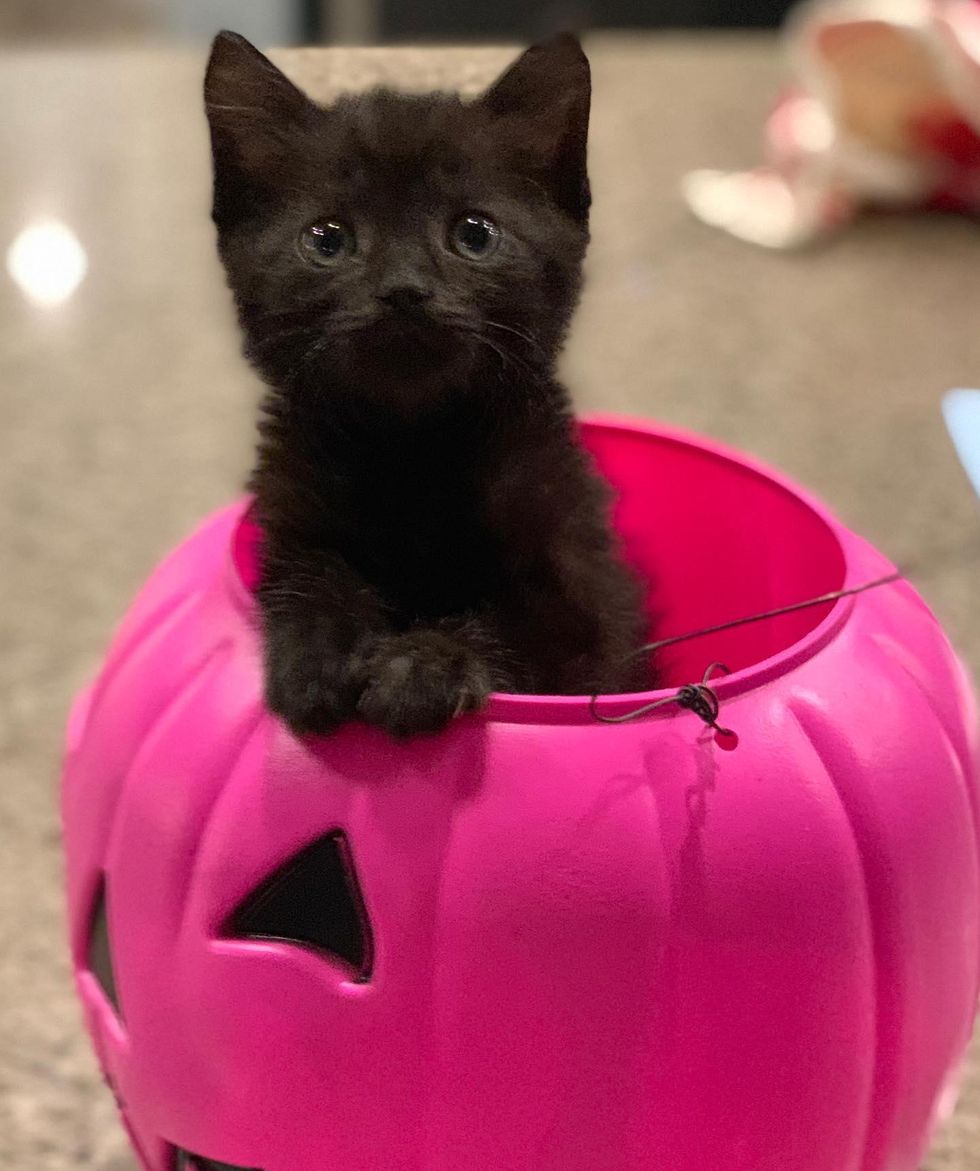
<point>273,339</point>
<point>307,356</point>
<point>467,327</point>
<point>317,348</point>
<point>517,333</point>
<point>498,351</point>
<point>508,357</point>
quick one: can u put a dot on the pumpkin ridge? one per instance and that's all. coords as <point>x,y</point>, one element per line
<point>813,728</point>
<point>184,690</point>
<point>157,625</point>
<point>895,651</point>
<point>236,755</point>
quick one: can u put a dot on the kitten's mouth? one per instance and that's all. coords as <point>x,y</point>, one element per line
<point>410,344</point>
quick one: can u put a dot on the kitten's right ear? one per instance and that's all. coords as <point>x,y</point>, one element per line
<point>254,112</point>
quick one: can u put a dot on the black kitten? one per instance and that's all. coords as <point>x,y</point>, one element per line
<point>404,270</point>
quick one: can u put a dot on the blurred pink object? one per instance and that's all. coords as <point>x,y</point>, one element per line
<point>885,111</point>
<point>538,942</point>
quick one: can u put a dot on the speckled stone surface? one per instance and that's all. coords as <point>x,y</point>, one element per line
<point>126,414</point>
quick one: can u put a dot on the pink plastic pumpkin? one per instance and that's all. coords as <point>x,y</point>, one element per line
<point>538,942</point>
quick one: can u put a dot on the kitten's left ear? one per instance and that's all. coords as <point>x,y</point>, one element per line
<point>255,114</point>
<point>544,99</point>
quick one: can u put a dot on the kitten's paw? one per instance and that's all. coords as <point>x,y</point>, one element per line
<point>313,688</point>
<point>417,683</point>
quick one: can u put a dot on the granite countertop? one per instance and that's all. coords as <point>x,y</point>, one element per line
<point>127,412</point>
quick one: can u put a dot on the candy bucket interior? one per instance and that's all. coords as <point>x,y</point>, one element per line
<point>715,540</point>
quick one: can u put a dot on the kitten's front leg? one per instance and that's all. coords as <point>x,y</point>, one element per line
<point>320,623</point>
<point>420,680</point>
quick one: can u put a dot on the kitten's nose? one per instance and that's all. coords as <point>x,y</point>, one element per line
<point>405,298</point>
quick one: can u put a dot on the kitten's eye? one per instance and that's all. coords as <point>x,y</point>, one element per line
<point>326,242</point>
<point>475,236</point>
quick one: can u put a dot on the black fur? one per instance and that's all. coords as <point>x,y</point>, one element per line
<point>432,530</point>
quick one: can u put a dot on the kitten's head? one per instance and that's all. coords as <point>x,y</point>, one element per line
<point>398,245</point>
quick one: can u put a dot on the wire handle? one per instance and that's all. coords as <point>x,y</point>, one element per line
<point>701,698</point>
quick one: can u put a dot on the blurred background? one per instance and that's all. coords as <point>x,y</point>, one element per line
<point>127,413</point>
<point>287,22</point>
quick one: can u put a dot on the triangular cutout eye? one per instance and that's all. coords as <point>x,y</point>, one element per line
<point>314,901</point>
<point>188,1162</point>
<point>99,957</point>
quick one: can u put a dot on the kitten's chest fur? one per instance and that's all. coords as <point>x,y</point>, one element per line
<point>418,529</point>
<point>408,508</point>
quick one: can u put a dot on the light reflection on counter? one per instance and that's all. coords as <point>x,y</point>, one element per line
<point>47,262</point>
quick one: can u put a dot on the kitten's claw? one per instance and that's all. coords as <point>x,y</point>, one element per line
<point>418,682</point>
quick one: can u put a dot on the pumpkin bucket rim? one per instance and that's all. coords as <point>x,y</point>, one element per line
<point>516,708</point>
